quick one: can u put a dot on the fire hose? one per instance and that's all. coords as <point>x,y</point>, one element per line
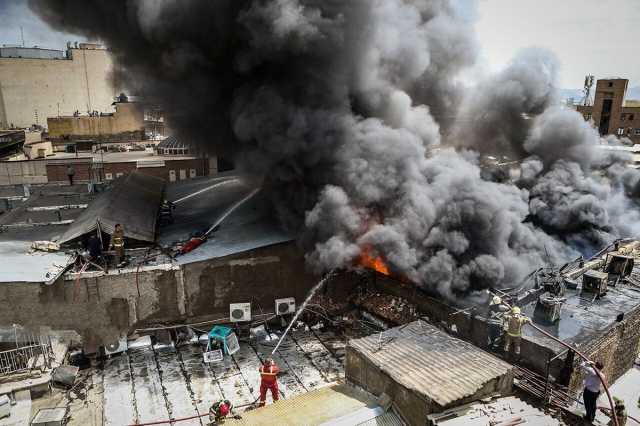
<point>581,355</point>
<point>584,357</point>
<point>184,419</point>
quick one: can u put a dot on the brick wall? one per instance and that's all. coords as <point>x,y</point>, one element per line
<point>57,171</point>
<point>617,348</point>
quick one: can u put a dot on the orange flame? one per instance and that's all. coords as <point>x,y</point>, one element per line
<point>373,262</point>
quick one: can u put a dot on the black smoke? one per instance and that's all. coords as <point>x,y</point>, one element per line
<point>352,114</point>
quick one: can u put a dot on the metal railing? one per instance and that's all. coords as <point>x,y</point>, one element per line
<point>27,357</point>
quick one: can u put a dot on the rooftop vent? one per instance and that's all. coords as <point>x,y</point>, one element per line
<point>618,264</point>
<point>595,282</point>
<point>548,308</point>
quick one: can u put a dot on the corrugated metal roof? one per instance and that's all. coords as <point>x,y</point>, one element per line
<point>311,408</point>
<point>21,264</point>
<point>171,142</point>
<point>367,416</point>
<point>498,411</point>
<point>387,419</point>
<point>422,358</point>
<point>133,201</point>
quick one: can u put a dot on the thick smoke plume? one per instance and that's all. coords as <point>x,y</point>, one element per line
<point>352,114</point>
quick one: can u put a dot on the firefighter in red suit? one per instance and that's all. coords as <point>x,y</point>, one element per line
<point>268,380</point>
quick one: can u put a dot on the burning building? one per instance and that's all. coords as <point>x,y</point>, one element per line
<point>350,118</point>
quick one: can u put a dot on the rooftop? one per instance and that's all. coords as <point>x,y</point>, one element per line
<point>584,316</point>
<point>152,383</point>
<point>428,361</point>
<point>133,200</point>
<point>332,405</point>
<point>509,410</point>
<point>21,264</point>
<point>115,157</point>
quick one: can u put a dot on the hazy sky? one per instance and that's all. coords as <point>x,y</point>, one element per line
<point>15,14</point>
<point>601,37</point>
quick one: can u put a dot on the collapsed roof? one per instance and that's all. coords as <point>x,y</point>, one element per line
<point>133,201</point>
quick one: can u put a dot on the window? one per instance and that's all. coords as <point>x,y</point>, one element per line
<point>637,132</point>
<point>611,84</point>
<point>108,176</point>
<point>631,117</point>
<point>587,116</point>
<point>620,131</point>
<point>118,175</point>
<point>622,117</point>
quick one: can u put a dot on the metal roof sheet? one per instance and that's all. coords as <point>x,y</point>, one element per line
<point>171,142</point>
<point>316,407</point>
<point>21,264</point>
<point>425,359</point>
<point>133,201</point>
<point>499,411</point>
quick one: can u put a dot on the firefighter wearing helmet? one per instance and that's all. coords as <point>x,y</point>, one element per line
<point>494,321</point>
<point>514,321</point>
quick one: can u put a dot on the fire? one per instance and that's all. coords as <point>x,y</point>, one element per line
<point>373,262</point>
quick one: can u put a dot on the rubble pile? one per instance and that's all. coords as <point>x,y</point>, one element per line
<point>395,310</point>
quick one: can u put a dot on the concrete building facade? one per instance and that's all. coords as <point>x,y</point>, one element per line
<point>35,86</point>
<point>103,307</point>
<point>611,113</point>
<point>127,123</point>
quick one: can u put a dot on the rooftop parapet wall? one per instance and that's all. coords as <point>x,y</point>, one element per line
<point>127,123</point>
<point>102,307</point>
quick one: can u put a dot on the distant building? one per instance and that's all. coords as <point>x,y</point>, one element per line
<point>11,142</point>
<point>172,146</point>
<point>39,83</point>
<point>611,113</point>
<point>126,124</point>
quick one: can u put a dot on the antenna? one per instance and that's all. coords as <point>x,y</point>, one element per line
<point>588,84</point>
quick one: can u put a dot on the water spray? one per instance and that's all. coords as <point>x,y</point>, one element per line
<point>312,293</point>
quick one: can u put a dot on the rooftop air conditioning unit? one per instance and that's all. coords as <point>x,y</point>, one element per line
<point>116,347</point>
<point>239,312</point>
<point>285,306</point>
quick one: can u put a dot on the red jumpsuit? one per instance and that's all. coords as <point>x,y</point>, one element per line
<point>268,381</point>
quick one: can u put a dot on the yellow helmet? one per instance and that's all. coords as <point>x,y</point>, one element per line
<point>515,310</point>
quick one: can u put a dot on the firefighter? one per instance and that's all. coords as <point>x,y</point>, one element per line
<point>496,310</point>
<point>219,411</point>
<point>621,412</point>
<point>514,321</point>
<point>117,243</point>
<point>268,381</point>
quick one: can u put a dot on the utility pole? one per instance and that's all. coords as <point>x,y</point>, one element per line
<point>22,35</point>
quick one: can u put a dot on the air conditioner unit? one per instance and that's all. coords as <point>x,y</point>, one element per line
<point>285,306</point>
<point>239,312</point>
<point>116,347</point>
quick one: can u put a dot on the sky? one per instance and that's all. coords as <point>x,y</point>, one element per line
<point>15,14</point>
<point>599,37</point>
